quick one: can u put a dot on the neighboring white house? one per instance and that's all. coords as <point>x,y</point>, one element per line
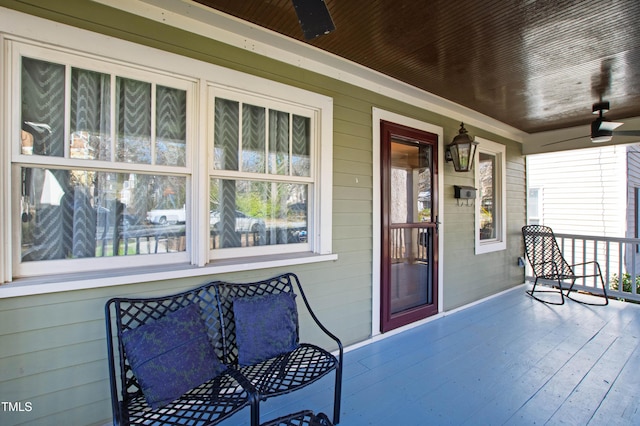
<point>586,192</point>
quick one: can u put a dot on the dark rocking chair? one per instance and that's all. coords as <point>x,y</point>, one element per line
<point>548,263</point>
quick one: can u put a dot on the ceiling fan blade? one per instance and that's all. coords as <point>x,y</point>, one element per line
<point>626,133</point>
<point>608,125</point>
<point>565,140</point>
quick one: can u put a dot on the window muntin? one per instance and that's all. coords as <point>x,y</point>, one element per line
<point>262,157</point>
<point>491,214</point>
<point>126,153</point>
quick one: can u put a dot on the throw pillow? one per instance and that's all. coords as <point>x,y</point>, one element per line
<point>171,355</point>
<point>266,326</point>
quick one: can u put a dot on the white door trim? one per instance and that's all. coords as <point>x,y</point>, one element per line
<point>382,115</point>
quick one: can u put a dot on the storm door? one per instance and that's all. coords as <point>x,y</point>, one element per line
<point>409,225</point>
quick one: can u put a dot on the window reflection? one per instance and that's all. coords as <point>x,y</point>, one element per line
<point>80,213</point>
<point>487,170</point>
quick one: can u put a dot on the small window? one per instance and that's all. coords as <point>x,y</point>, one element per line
<point>534,206</point>
<point>490,205</point>
<point>262,183</point>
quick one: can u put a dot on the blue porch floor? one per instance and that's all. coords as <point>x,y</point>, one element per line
<point>508,360</point>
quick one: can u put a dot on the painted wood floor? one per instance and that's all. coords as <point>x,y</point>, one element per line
<point>509,360</point>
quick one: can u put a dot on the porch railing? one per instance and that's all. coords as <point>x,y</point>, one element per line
<point>619,260</point>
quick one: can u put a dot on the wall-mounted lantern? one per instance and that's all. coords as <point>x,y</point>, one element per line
<point>461,151</point>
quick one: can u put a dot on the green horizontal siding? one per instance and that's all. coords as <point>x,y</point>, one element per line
<point>469,277</point>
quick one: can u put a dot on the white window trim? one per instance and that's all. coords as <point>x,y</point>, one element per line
<point>22,27</point>
<point>500,242</point>
<point>39,51</point>
<point>319,151</point>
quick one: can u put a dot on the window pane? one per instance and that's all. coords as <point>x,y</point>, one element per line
<point>43,91</point>
<point>245,213</point>
<point>278,142</point>
<point>133,121</point>
<point>300,146</point>
<point>83,213</point>
<point>90,115</point>
<point>253,139</point>
<point>171,126</point>
<point>226,137</point>
<point>487,170</point>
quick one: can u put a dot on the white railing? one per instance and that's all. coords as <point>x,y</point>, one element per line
<point>619,260</point>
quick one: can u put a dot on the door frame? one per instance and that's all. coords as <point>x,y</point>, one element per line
<point>380,115</point>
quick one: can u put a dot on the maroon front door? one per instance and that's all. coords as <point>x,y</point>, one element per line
<point>409,225</point>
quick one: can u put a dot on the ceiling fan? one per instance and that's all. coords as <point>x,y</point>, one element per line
<point>602,129</point>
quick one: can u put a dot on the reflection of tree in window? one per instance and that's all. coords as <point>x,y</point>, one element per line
<point>486,168</point>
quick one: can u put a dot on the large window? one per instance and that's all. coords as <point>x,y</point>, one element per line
<point>490,205</point>
<point>117,166</point>
<point>96,153</point>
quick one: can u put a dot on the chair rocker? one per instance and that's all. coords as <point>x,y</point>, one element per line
<point>548,263</point>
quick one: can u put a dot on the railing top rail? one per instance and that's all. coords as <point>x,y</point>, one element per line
<point>600,238</point>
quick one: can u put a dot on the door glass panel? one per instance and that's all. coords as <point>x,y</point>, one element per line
<point>411,244</point>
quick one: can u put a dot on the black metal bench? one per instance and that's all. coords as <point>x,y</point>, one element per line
<point>222,367</point>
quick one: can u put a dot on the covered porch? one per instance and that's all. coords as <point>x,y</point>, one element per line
<point>506,360</point>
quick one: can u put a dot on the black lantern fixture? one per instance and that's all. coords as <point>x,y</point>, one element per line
<point>461,151</point>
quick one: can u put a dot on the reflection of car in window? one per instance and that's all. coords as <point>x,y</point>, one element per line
<point>160,216</point>
<point>244,223</point>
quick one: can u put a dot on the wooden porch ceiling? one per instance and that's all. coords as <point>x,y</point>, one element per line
<point>535,65</point>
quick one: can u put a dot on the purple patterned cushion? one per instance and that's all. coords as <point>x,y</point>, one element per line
<point>171,355</point>
<point>266,326</point>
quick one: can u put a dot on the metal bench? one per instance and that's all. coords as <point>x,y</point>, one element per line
<point>238,381</point>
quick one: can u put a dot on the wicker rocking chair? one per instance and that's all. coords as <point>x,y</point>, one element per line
<point>548,263</point>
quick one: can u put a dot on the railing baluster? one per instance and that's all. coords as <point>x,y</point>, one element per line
<point>633,272</point>
<point>620,273</point>
<point>606,265</point>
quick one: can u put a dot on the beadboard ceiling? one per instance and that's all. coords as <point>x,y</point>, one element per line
<point>536,65</point>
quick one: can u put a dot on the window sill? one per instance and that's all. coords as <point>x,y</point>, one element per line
<point>491,247</point>
<point>84,281</point>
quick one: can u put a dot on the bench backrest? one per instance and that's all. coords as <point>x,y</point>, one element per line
<point>128,313</point>
<point>227,292</point>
